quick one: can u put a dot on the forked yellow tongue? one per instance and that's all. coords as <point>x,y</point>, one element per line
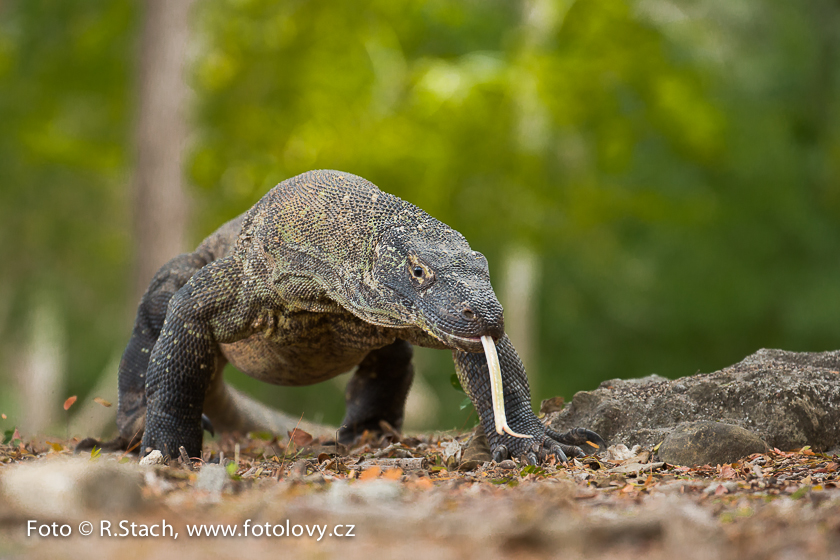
<point>497,391</point>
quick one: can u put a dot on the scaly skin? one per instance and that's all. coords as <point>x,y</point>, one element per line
<point>325,273</point>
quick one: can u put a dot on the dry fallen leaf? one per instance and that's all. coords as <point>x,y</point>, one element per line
<point>69,402</point>
<point>370,474</point>
<point>726,471</point>
<point>426,484</point>
<point>392,474</point>
<point>103,402</point>
<point>300,438</point>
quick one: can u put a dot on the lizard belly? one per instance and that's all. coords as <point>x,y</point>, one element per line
<point>306,349</point>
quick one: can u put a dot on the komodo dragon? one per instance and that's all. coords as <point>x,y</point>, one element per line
<point>324,273</point>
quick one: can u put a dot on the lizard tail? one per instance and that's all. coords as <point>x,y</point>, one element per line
<point>231,410</point>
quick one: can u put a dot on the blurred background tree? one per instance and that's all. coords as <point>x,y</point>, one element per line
<point>666,173</point>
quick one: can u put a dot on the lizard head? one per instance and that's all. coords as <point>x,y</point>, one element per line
<point>439,284</point>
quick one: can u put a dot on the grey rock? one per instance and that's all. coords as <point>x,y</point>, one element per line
<point>709,443</point>
<point>788,399</point>
<point>646,380</point>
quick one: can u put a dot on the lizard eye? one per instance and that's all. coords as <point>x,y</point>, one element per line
<point>421,275</point>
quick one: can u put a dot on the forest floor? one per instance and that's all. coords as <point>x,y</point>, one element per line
<point>404,497</point>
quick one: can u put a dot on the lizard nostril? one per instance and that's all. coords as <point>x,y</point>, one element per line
<point>468,314</point>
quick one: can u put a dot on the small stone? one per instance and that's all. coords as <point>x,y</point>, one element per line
<point>507,465</point>
<point>212,478</point>
<point>153,458</point>
<point>709,443</point>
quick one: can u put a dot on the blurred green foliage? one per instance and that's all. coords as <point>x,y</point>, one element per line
<point>674,164</point>
<point>66,84</point>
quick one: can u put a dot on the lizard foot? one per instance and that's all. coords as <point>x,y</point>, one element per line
<point>167,433</point>
<point>550,443</point>
<point>119,443</point>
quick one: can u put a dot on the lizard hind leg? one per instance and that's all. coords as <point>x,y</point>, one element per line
<point>377,391</point>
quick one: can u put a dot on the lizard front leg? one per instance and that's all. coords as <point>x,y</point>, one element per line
<point>151,313</point>
<point>216,305</point>
<point>473,373</point>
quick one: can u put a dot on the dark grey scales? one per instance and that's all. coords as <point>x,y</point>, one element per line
<point>325,273</point>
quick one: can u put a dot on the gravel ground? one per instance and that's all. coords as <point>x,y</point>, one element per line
<point>405,498</point>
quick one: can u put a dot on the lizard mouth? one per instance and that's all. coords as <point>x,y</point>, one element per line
<point>464,343</point>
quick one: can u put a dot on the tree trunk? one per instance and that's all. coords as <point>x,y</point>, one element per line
<point>518,294</point>
<point>42,369</point>
<point>161,205</point>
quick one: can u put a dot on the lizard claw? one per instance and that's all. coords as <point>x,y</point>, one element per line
<point>558,452</point>
<point>573,451</point>
<point>578,437</point>
<point>500,454</point>
<point>563,452</point>
<point>531,458</point>
<point>207,425</point>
